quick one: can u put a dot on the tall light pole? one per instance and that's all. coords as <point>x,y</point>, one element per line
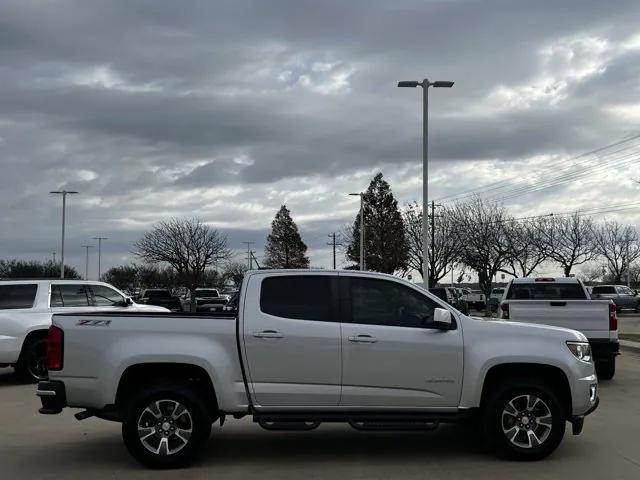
<point>64,194</point>
<point>99,253</point>
<point>425,84</point>
<point>362,262</point>
<point>86,263</point>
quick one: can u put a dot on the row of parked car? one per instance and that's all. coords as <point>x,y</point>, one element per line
<point>205,299</point>
<point>465,299</point>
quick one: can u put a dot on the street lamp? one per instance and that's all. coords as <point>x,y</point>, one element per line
<point>99,252</point>
<point>86,262</point>
<point>425,84</point>
<point>361,195</point>
<point>64,194</point>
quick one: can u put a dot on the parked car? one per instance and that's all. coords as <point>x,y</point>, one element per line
<point>26,307</point>
<point>622,296</point>
<point>475,299</point>
<point>564,302</point>
<point>313,346</point>
<point>207,300</point>
<point>161,297</point>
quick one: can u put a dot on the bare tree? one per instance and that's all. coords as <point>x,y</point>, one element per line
<point>480,231</point>
<point>189,246</point>
<point>526,244</point>
<point>571,241</point>
<point>619,246</point>
<point>444,248</point>
<point>234,272</point>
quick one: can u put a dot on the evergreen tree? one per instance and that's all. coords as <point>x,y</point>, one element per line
<point>285,248</point>
<point>385,240</point>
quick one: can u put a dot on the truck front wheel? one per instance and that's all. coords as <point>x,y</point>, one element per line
<point>165,426</point>
<point>524,420</point>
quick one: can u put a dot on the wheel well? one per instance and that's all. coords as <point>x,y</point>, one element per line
<point>36,334</point>
<point>143,375</point>
<point>552,376</point>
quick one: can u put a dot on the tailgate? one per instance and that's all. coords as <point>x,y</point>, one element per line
<point>581,315</point>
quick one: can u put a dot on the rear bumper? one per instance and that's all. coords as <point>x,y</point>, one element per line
<point>52,396</point>
<point>604,349</point>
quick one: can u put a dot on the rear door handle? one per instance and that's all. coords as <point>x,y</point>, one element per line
<point>362,339</point>
<point>268,334</point>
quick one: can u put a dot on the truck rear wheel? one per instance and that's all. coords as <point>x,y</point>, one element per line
<point>606,369</point>
<point>32,365</point>
<point>524,421</point>
<point>165,426</point>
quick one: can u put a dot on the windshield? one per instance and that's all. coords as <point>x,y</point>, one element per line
<point>206,293</point>
<point>597,290</point>
<point>157,294</point>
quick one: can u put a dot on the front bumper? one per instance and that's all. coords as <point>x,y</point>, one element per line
<point>52,396</point>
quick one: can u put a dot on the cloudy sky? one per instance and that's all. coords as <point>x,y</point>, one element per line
<point>228,109</point>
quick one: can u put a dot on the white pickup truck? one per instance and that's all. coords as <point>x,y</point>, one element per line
<point>565,302</point>
<point>307,347</point>
<point>26,307</point>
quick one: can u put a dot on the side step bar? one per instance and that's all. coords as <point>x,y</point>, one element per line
<point>360,417</point>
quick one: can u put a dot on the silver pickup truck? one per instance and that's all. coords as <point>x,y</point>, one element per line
<point>307,347</point>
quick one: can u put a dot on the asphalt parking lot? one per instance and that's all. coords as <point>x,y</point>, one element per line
<point>34,446</point>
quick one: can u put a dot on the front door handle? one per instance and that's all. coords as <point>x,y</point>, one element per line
<point>363,339</point>
<point>268,334</point>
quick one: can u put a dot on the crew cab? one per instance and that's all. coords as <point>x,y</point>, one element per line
<point>26,307</point>
<point>307,347</point>
<point>565,302</point>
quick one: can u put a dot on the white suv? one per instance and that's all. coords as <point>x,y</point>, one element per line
<point>26,307</point>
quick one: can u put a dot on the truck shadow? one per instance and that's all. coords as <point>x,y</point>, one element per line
<point>9,378</point>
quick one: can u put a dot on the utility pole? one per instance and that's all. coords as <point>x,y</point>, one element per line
<point>54,257</point>
<point>99,253</point>
<point>86,263</point>
<point>255,259</point>
<point>333,242</point>
<point>249,262</point>
<point>64,194</point>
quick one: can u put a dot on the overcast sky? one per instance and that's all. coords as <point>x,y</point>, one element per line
<point>228,109</point>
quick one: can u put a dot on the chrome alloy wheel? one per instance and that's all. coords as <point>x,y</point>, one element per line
<point>526,421</point>
<point>165,427</point>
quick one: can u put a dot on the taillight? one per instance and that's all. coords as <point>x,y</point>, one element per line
<point>613,317</point>
<point>505,311</point>
<point>54,348</point>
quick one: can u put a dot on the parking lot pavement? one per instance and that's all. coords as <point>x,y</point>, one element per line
<point>629,322</point>
<point>36,446</point>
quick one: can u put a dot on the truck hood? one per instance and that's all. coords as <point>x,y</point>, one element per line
<point>534,329</point>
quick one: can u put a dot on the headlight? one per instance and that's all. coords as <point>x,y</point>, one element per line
<point>581,350</point>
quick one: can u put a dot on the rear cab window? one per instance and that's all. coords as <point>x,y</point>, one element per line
<point>17,296</point>
<point>546,291</point>
<point>69,295</point>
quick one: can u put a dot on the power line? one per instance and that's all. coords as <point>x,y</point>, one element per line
<point>567,170</point>
<point>334,244</point>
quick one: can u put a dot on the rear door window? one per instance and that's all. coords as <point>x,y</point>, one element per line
<point>17,296</point>
<point>546,291</point>
<point>302,297</point>
<point>69,295</point>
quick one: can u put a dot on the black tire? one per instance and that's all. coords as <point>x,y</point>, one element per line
<point>606,369</point>
<point>32,364</point>
<point>497,423</point>
<point>160,398</point>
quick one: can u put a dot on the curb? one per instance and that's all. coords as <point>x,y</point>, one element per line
<point>630,346</point>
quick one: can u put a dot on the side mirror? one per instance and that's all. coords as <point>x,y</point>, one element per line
<point>128,301</point>
<point>442,319</point>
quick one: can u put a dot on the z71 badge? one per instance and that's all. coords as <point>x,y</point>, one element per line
<point>94,323</point>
